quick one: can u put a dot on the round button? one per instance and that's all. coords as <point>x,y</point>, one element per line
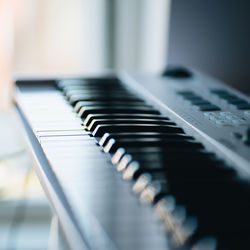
<point>177,72</point>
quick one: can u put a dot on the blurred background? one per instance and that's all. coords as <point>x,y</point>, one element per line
<point>81,35</point>
<point>212,36</point>
<point>62,37</point>
<point>87,36</point>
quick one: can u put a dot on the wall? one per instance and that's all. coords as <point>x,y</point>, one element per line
<point>213,36</point>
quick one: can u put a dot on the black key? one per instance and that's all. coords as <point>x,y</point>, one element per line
<point>162,158</point>
<point>188,170</point>
<point>93,92</point>
<point>94,87</point>
<point>144,174</point>
<point>90,118</point>
<point>188,191</point>
<point>217,203</point>
<point>64,83</point>
<point>95,123</point>
<point>185,168</point>
<point>95,96</point>
<point>88,86</point>
<point>98,97</point>
<point>84,112</point>
<point>116,158</point>
<point>81,104</point>
<point>213,200</point>
<point>234,240</point>
<point>109,94</point>
<point>113,144</point>
<point>106,137</point>
<point>102,129</point>
<point>112,105</point>
<point>76,99</point>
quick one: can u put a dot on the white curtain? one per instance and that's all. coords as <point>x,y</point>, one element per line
<point>141,34</point>
<point>92,35</point>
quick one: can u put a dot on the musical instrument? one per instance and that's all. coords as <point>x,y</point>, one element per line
<point>139,161</point>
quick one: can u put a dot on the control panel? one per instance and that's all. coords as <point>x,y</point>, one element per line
<point>205,105</point>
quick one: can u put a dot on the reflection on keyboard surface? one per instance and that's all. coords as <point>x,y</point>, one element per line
<point>123,157</point>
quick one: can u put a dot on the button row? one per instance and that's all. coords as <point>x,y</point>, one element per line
<point>232,99</point>
<point>199,102</point>
<point>225,118</point>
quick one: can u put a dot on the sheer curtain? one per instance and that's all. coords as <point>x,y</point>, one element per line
<point>92,35</point>
<point>141,34</point>
<point>49,36</point>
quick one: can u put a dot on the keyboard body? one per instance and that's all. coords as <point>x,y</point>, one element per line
<point>95,203</point>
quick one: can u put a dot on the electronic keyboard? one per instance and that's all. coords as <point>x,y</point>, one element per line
<point>139,161</point>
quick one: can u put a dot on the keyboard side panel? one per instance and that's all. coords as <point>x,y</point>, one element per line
<point>222,139</point>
